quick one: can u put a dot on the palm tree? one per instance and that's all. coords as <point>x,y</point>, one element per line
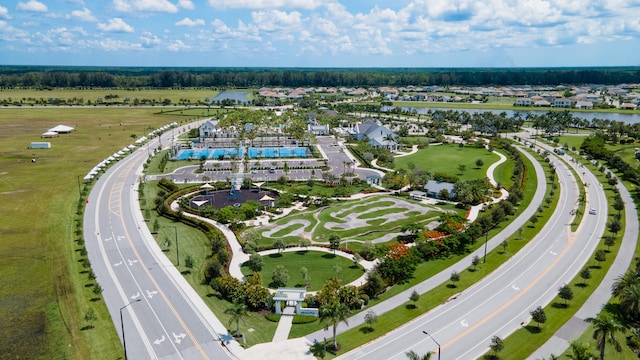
<point>333,314</point>
<point>630,301</point>
<point>623,282</point>
<point>604,331</point>
<point>412,355</point>
<point>580,351</point>
<point>238,312</point>
<point>389,138</point>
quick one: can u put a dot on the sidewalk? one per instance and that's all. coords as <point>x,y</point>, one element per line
<point>443,276</point>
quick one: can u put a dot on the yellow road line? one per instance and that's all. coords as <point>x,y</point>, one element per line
<point>153,280</point>
<point>513,299</point>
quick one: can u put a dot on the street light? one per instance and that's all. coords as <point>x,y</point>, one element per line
<point>434,340</point>
<point>124,341</point>
<point>486,237</point>
<point>177,250</point>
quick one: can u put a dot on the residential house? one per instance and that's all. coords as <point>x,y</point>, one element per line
<point>587,105</point>
<point>523,102</point>
<point>563,103</point>
<point>541,103</point>
<point>434,188</point>
<point>419,97</point>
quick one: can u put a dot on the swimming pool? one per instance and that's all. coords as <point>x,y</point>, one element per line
<point>193,154</point>
<point>280,152</point>
<point>277,152</point>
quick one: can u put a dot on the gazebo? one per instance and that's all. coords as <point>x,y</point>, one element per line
<point>267,200</point>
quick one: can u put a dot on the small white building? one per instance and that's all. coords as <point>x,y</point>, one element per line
<point>40,145</point>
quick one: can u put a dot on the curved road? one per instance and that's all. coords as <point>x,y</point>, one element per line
<point>163,317</point>
<point>500,303</point>
<point>171,321</point>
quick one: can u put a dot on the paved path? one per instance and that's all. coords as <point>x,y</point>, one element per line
<point>444,275</point>
<point>576,325</point>
<point>284,325</point>
<point>472,215</point>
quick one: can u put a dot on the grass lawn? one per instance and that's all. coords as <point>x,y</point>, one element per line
<point>44,293</point>
<point>446,158</point>
<point>92,95</point>
<point>504,172</point>
<point>320,265</point>
<point>396,317</point>
<point>194,243</point>
<point>524,341</point>
<point>374,212</point>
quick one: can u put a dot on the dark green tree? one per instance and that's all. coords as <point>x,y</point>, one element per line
<point>565,293</point>
<point>538,315</point>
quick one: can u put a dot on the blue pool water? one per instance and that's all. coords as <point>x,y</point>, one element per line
<point>277,152</point>
<point>252,152</point>
<point>194,154</point>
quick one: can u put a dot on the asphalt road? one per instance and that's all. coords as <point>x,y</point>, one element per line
<point>500,303</point>
<point>166,319</point>
<point>170,321</point>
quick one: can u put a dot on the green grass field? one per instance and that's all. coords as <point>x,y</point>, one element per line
<point>446,158</point>
<point>175,95</point>
<point>44,297</point>
<point>320,265</point>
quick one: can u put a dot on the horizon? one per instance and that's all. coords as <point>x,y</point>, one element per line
<point>320,34</point>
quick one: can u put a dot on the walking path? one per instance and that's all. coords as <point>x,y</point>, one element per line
<point>280,347</point>
<point>444,275</point>
<point>576,326</point>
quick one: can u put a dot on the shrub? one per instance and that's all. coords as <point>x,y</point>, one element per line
<point>273,317</point>
<point>304,319</point>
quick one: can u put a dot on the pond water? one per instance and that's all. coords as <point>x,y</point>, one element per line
<point>629,118</point>
<point>237,96</point>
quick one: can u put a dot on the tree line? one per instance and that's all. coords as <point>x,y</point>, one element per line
<point>151,77</point>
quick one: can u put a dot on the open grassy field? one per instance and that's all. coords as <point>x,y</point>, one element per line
<point>320,265</point>
<point>446,158</point>
<point>43,294</point>
<point>107,95</point>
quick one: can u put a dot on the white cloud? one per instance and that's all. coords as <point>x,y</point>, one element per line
<point>190,23</point>
<point>112,45</point>
<point>32,5</point>
<point>10,33</point>
<point>4,13</point>
<point>266,4</point>
<point>186,4</point>
<point>273,20</point>
<point>178,45</point>
<point>222,31</point>
<point>161,6</point>
<point>149,40</point>
<point>115,25</point>
<point>83,15</point>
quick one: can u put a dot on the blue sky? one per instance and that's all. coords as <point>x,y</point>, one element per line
<point>321,33</point>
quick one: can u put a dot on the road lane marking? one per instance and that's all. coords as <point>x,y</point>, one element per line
<point>570,239</point>
<point>155,283</point>
<point>160,340</point>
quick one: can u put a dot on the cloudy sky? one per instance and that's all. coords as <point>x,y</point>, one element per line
<point>321,33</point>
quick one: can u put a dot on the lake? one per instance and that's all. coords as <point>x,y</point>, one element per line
<point>629,118</point>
